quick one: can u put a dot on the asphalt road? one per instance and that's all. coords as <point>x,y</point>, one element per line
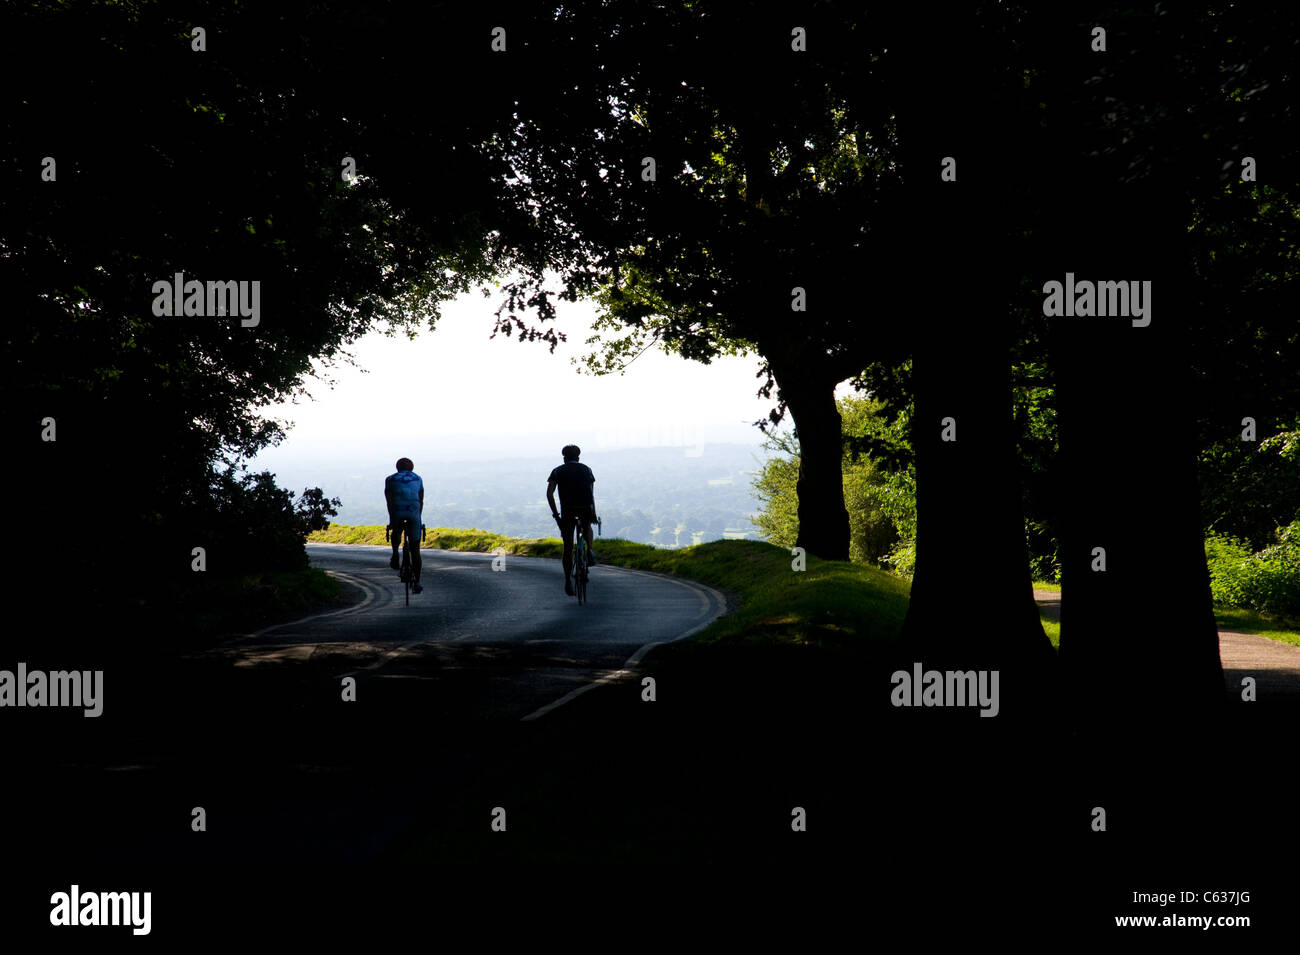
<point>259,736</point>
<point>512,633</point>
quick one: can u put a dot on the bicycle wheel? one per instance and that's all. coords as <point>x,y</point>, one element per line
<point>406,573</point>
<point>580,575</point>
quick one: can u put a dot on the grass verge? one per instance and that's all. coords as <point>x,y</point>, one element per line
<point>1248,621</point>
<point>1052,628</point>
<point>205,608</point>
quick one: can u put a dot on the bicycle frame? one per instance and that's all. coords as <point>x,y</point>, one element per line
<point>407,573</point>
<point>581,569</point>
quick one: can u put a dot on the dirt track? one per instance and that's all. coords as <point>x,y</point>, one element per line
<point>1275,666</point>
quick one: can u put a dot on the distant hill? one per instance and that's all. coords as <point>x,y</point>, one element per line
<point>666,496</point>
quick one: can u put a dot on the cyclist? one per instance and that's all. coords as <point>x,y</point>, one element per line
<point>578,506</point>
<point>404,492</point>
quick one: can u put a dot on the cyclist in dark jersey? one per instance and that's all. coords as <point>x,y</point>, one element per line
<point>577,506</point>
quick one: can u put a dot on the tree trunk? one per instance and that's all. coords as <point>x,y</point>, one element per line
<point>823,519</point>
<point>1139,636</point>
<point>972,603</point>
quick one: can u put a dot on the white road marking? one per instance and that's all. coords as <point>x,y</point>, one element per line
<point>707,597</point>
<point>712,606</point>
<point>370,591</point>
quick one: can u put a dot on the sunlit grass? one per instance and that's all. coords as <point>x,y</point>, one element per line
<point>1052,628</point>
<point>1248,621</point>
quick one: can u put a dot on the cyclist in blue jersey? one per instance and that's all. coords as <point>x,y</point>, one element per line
<point>577,503</point>
<point>404,492</point>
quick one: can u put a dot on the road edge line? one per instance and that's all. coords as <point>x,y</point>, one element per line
<point>629,667</point>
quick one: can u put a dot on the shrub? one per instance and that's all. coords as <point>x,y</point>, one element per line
<point>902,559</point>
<point>314,510</point>
<point>1267,581</point>
<point>249,525</point>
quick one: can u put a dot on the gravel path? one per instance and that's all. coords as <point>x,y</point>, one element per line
<point>1275,666</point>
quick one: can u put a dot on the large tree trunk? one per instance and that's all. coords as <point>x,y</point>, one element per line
<point>823,519</point>
<point>972,600</point>
<point>1138,636</point>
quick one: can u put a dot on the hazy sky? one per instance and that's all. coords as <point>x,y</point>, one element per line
<point>455,381</point>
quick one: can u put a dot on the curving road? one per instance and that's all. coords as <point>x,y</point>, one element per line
<point>513,634</point>
<point>288,771</point>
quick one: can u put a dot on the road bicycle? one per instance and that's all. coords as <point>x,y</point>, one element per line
<point>581,567</point>
<point>407,573</point>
